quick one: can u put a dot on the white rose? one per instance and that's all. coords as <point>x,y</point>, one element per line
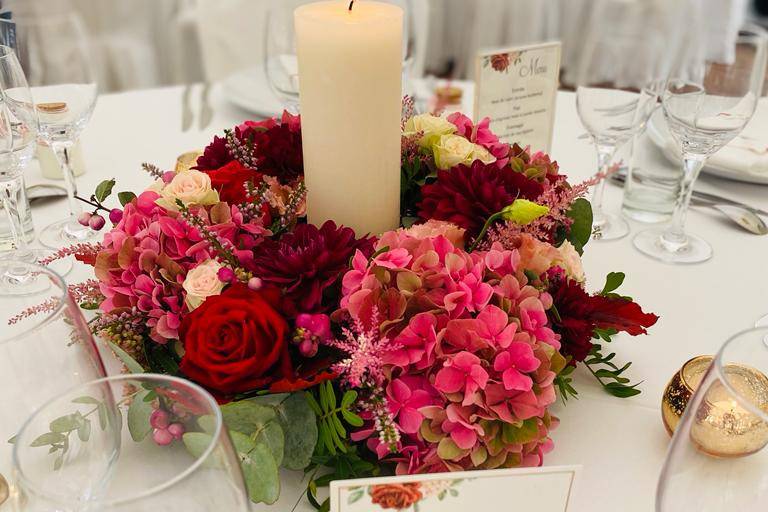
<point>202,282</point>
<point>452,150</point>
<point>571,261</point>
<point>431,127</point>
<point>191,188</point>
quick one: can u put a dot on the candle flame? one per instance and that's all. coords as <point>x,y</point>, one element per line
<point>351,3</point>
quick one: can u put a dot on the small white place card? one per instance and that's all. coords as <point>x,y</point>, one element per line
<point>547,489</point>
<point>516,88</point>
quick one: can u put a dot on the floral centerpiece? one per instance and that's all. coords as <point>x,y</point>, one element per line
<point>439,346</point>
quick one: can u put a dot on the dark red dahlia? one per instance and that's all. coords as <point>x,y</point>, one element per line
<point>214,156</point>
<point>278,148</point>
<point>578,314</point>
<point>467,196</point>
<point>308,261</point>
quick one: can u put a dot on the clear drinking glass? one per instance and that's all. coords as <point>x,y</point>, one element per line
<point>18,135</point>
<point>705,109</point>
<point>45,346</point>
<point>55,53</point>
<point>94,448</point>
<point>281,64</point>
<point>717,461</point>
<point>613,103</point>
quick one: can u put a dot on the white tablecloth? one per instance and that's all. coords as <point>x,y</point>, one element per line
<point>620,442</point>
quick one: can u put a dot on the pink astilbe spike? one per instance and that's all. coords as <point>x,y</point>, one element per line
<point>87,251</point>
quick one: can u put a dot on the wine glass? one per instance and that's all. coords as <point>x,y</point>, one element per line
<point>18,134</point>
<point>705,109</point>
<point>281,64</point>
<point>45,346</point>
<point>614,97</point>
<point>717,461</point>
<point>54,50</point>
<point>128,443</point>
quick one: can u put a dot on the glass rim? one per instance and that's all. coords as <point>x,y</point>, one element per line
<point>717,366</point>
<point>149,377</point>
<point>50,316</point>
<point>6,51</point>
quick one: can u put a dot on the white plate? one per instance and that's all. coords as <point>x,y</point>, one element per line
<point>658,131</point>
<point>250,91</point>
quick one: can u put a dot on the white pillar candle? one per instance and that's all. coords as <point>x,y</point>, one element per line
<point>350,71</point>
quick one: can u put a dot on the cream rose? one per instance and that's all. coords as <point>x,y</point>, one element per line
<point>191,188</point>
<point>202,282</point>
<point>431,127</point>
<point>571,261</point>
<point>453,150</point>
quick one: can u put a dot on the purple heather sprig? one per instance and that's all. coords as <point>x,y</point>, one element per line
<point>242,151</point>
<point>222,246</point>
<point>152,170</point>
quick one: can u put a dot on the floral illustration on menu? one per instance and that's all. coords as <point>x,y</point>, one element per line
<point>410,496</point>
<point>438,346</point>
<point>502,61</point>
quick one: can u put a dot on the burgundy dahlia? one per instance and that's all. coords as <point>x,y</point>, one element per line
<point>578,314</point>
<point>214,156</point>
<point>308,261</point>
<point>467,196</point>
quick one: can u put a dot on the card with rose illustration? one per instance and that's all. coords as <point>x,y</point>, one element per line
<point>547,489</point>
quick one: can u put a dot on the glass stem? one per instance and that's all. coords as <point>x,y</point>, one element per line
<point>604,156</point>
<point>62,149</point>
<point>674,239</point>
<point>11,191</point>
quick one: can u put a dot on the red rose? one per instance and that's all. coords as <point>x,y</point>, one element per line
<point>238,341</point>
<point>397,496</point>
<point>230,181</point>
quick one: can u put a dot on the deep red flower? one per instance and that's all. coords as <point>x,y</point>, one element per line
<point>578,314</point>
<point>467,196</point>
<point>308,261</point>
<point>277,147</point>
<point>230,181</point>
<point>215,155</point>
<point>238,342</point>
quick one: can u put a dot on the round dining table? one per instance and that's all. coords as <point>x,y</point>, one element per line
<point>620,443</point>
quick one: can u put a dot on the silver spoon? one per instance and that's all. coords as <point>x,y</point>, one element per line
<point>741,216</point>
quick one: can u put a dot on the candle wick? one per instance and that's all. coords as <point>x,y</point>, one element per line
<point>351,3</point>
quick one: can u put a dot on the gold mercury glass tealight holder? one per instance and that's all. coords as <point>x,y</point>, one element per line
<point>723,425</point>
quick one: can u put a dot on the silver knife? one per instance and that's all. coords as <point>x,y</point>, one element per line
<point>186,109</point>
<point>206,111</point>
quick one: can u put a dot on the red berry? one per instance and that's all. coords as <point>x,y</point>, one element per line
<point>115,215</point>
<point>159,419</point>
<point>162,437</point>
<point>97,222</point>
<point>84,218</point>
<point>176,430</point>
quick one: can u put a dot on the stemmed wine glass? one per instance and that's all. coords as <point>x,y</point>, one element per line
<point>705,107</point>
<point>45,346</point>
<point>281,64</point>
<point>718,460</point>
<point>167,450</point>
<point>54,50</point>
<point>18,134</point>
<point>613,102</point>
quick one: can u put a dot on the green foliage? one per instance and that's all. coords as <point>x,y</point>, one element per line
<point>125,197</point>
<point>104,190</point>
<point>268,432</point>
<point>564,383</point>
<point>129,362</point>
<point>161,358</point>
<point>413,175</point>
<point>581,229</point>
<point>607,373</point>
<point>139,412</point>
<point>332,433</point>
<point>342,466</point>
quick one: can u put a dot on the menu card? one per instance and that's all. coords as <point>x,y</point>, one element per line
<point>516,88</point>
<point>544,489</point>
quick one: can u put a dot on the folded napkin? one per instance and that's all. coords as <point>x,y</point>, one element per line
<point>747,153</point>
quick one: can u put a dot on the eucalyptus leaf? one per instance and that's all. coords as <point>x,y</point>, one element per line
<point>84,430</point>
<point>86,400</point>
<point>130,363</point>
<point>247,416</point>
<point>66,423</point>
<point>299,422</point>
<point>138,417</point>
<point>48,438</point>
<point>260,470</point>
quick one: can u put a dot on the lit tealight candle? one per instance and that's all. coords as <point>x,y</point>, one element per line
<point>350,69</point>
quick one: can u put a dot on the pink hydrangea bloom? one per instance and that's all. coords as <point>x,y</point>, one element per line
<point>472,352</point>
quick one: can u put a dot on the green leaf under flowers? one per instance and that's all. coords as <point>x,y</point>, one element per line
<point>352,418</point>
<point>525,433</point>
<point>48,438</point>
<point>125,197</point>
<point>103,190</point>
<point>298,420</point>
<point>523,212</point>
<point>129,362</point>
<point>247,416</point>
<point>66,423</point>
<point>581,229</point>
<point>260,470</point>
<point>612,282</point>
<point>86,400</point>
<point>138,417</point>
<point>84,430</point>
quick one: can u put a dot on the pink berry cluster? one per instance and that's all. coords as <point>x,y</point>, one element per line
<point>164,432</point>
